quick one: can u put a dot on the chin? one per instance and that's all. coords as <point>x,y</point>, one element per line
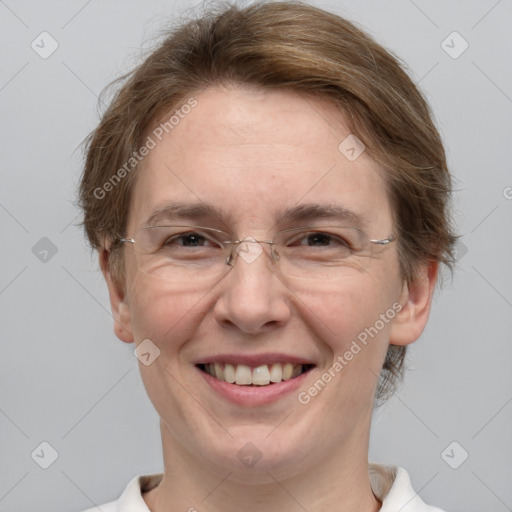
<point>257,455</point>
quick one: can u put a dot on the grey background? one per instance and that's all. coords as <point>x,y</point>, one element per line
<point>64,377</point>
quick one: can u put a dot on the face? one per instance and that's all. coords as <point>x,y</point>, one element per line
<point>252,155</point>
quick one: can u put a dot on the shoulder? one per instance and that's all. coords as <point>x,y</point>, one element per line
<point>131,499</point>
<point>392,485</point>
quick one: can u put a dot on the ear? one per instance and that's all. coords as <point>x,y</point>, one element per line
<point>416,299</point>
<point>118,304</point>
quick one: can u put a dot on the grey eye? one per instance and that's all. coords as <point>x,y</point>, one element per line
<point>188,240</point>
<point>321,239</point>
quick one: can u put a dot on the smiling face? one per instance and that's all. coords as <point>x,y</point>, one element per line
<point>252,155</point>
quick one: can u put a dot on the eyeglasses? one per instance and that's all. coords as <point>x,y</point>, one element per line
<point>189,254</point>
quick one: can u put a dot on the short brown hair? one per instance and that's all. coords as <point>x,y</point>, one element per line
<point>294,46</point>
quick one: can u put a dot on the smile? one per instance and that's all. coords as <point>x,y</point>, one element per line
<point>262,375</point>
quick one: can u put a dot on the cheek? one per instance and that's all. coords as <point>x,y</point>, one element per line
<point>342,314</point>
<point>352,327</point>
<point>352,323</point>
<point>164,315</point>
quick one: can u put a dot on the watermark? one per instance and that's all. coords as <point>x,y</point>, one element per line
<point>44,250</point>
<point>351,147</point>
<point>146,352</point>
<point>454,45</point>
<point>249,250</point>
<point>44,455</point>
<point>44,45</point>
<point>249,455</point>
<point>460,250</point>
<point>151,142</point>
<point>454,455</point>
<point>304,397</point>
<point>507,192</point>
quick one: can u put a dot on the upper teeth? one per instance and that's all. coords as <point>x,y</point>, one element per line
<point>260,376</point>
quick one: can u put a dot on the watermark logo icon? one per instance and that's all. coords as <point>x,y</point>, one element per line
<point>460,250</point>
<point>351,147</point>
<point>249,250</point>
<point>44,45</point>
<point>454,455</point>
<point>146,352</point>
<point>249,455</point>
<point>44,250</point>
<point>44,455</point>
<point>454,45</point>
<point>507,192</point>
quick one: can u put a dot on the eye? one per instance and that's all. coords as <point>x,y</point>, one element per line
<point>192,239</point>
<point>321,239</point>
<point>180,241</point>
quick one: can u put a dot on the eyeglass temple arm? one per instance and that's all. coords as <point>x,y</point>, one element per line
<point>384,241</point>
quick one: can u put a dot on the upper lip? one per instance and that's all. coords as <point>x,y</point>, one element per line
<point>254,360</point>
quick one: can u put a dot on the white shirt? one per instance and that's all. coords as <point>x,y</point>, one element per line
<point>390,484</point>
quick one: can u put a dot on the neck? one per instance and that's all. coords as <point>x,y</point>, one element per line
<point>339,482</point>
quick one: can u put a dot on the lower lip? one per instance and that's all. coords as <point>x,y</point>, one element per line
<point>253,395</point>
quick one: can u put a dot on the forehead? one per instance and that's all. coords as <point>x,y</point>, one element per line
<point>253,154</point>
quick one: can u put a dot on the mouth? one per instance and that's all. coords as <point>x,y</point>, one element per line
<point>258,376</point>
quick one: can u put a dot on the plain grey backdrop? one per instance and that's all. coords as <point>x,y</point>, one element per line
<point>65,379</point>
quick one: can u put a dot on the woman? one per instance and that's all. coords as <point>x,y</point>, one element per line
<point>268,196</point>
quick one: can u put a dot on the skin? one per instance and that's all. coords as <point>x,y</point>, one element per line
<point>251,152</point>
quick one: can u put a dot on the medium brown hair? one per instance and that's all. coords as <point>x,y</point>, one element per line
<point>293,46</point>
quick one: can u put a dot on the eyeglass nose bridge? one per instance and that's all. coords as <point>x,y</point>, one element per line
<point>248,256</point>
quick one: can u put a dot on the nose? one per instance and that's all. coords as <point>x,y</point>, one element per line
<point>253,297</point>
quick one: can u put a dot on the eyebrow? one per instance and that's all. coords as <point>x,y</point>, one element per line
<point>313,211</point>
<point>185,211</point>
<point>299,213</point>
